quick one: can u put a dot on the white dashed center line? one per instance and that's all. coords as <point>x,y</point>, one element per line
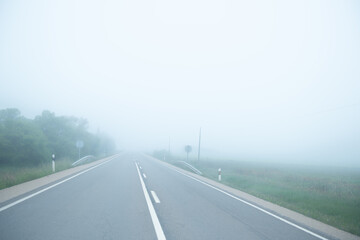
<point>155,197</point>
<point>157,226</point>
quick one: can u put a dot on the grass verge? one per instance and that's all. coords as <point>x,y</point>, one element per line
<point>11,175</point>
<point>330,195</point>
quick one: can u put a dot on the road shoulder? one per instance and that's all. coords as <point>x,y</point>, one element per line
<point>7,194</point>
<point>276,209</point>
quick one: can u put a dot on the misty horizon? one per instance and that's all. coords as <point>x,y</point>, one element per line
<point>270,81</point>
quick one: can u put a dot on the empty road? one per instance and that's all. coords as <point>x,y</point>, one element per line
<point>136,197</point>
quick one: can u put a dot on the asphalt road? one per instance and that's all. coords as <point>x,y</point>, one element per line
<point>136,197</point>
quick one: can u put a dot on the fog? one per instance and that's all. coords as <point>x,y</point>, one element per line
<point>265,80</point>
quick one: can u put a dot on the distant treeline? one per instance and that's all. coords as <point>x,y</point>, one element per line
<point>32,141</point>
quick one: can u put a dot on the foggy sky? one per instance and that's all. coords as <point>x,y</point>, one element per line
<point>266,80</point>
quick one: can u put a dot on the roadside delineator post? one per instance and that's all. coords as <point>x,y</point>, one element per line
<point>53,162</point>
<point>219,173</point>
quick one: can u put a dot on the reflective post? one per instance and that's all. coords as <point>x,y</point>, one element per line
<point>53,162</point>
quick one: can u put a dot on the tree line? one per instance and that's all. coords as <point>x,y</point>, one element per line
<point>26,141</point>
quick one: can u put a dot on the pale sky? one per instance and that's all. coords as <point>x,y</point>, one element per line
<point>266,80</point>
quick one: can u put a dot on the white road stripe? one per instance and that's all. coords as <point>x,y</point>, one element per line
<point>155,197</point>
<point>140,167</point>
<point>144,175</point>
<point>254,206</point>
<point>157,226</point>
<point>52,186</point>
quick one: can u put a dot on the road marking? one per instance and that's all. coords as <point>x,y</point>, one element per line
<point>155,197</point>
<point>144,175</point>
<point>52,186</point>
<point>157,226</point>
<point>254,206</point>
<point>140,167</point>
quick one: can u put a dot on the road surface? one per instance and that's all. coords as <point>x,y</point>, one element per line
<point>136,197</point>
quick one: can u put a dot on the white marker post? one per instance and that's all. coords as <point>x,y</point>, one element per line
<point>53,162</point>
<point>219,172</point>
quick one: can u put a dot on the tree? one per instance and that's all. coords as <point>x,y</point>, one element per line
<point>188,149</point>
<point>30,142</point>
<point>21,140</point>
<point>9,114</point>
<point>60,132</point>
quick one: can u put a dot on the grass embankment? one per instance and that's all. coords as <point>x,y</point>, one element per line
<point>12,175</point>
<point>330,195</point>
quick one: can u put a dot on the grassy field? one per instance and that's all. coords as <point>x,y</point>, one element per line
<point>330,195</point>
<point>10,176</point>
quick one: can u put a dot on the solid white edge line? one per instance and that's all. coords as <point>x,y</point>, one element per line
<point>254,206</point>
<point>144,175</point>
<point>157,226</point>
<point>52,186</point>
<point>155,197</point>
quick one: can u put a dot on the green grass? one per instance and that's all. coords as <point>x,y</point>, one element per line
<point>330,195</point>
<point>10,175</point>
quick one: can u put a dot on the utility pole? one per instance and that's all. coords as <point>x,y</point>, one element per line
<point>199,145</point>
